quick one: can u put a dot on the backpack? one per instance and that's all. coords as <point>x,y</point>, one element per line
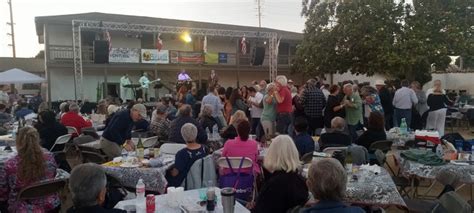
<point>241,182</point>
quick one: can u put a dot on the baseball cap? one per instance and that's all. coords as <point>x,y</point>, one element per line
<point>141,109</point>
<point>379,82</point>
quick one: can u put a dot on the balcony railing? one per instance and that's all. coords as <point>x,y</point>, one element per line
<point>59,54</point>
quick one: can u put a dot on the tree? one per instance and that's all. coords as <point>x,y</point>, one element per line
<point>374,36</point>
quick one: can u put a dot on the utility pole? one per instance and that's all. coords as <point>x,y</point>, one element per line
<point>12,33</point>
<point>259,10</point>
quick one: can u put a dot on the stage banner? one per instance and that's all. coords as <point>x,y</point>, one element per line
<point>212,58</point>
<point>153,56</point>
<point>222,58</point>
<point>190,58</point>
<point>124,55</point>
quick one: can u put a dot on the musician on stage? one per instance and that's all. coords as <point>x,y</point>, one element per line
<point>145,84</point>
<point>125,92</point>
<point>213,79</point>
<point>183,76</point>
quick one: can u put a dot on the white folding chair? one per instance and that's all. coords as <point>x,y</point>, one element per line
<point>234,162</point>
<point>330,150</point>
<point>61,140</point>
<point>71,130</point>
<point>171,148</point>
<point>150,142</point>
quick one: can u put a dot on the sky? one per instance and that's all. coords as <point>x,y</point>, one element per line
<point>279,14</point>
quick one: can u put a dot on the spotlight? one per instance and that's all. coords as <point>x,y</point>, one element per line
<point>186,37</point>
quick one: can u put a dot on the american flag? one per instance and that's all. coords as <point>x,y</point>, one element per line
<point>243,46</point>
<point>109,39</point>
<point>159,42</point>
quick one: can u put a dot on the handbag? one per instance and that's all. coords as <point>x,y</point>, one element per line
<point>241,182</point>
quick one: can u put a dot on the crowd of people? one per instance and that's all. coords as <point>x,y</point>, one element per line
<point>289,115</point>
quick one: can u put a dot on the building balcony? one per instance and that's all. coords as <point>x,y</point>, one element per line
<point>58,54</point>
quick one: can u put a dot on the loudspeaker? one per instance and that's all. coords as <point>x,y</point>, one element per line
<point>258,55</point>
<point>101,52</point>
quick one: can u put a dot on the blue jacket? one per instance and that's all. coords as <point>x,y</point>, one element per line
<point>21,113</point>
<point>304,143</point>
<point>325,206</point>
<point>175,130</point>
<point>119,128</point>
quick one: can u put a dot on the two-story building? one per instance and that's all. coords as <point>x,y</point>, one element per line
<point>127,55</point>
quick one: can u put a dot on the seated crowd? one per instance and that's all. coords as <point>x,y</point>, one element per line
<point>246,118</point>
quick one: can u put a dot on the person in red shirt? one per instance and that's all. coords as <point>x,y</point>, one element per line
<point>74,119</point>
<point>284,105</point>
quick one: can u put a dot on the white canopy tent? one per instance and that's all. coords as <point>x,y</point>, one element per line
<point>18,76</point>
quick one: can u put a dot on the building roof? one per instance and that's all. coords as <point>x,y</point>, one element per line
<point>28,64</point>
<point>67,20</point>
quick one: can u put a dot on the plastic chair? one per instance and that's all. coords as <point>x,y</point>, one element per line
<point>171,148</point>
<point>71,130</point>
<point>61,140</point>
<point>150,142</point>
<point>42,189</point>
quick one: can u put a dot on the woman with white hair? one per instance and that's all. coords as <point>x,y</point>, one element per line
<point>185,158</point>
<point>283,188</point>
<point>327,181</point>
<point>269,111</point>
<point>87,184</point>
<point>284,104</point>
<point>205,118</point>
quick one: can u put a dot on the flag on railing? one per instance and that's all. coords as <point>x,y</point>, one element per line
<point>108,39</point>
<point>204,45</point>
<point>243,46</point>
<point>159,42</point>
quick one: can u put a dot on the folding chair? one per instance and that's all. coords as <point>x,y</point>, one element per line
<point>234,162</point>
<point>307,158</point>
<point>171,148</point>
<point>93,157</point>
<point>330,150</point>
<point>83,139</point>
<point>61,140</point>
<point>71,130</point>
<point>42,189</point>
<point>150,142</point>
<point>399,181</point>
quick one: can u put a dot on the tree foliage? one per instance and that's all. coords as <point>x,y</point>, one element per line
<point>380,36</point>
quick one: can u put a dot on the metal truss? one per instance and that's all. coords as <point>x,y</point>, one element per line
<point>79,25</point>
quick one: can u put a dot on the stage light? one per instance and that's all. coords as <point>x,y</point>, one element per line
<point>186,37</point>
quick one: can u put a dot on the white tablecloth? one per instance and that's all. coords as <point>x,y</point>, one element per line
<point>187,197</point>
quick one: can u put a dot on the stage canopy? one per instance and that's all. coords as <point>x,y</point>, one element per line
<point>19,76</point>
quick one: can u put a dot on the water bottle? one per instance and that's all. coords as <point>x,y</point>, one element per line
<point>439,151</point>
<point>472,151</point>
<point>403,127</point>
<point>215,131</point>
<point>14,131</point>
<point>209,135</point>
<point>140,191</point>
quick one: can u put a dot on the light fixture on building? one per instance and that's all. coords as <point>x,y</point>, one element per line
<point>186,37</point>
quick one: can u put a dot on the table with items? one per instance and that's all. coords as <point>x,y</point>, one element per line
<point>368,185</point>
<point>128,170</point>
<point>186,201</point>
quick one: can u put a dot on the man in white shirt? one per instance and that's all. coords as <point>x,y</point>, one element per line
<point>212,99</point>
<point>436,84</point>
<point>403,101</point>
<point>255,101</point>
<point>183,76</point>
<point>145,84</point>
<point>4,98</point>
<point>125,92</point>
